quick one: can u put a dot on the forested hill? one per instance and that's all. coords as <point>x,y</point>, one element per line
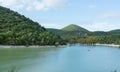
<point>77,34</point>
<point>16,29</point>
<point>70,31</point>
<point>117,31</point>
<point>73,27</point>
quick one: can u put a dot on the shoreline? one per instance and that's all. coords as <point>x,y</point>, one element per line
<point>97,44</point>
<point>31,46</point>
<point>53,46</point>
<point>111,45</point>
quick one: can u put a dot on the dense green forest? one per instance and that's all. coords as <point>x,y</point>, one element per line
<point>16,29</point>
<point>110,39</point>
<point>77,34</point>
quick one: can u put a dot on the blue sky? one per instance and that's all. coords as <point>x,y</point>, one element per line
<point>94,15</point>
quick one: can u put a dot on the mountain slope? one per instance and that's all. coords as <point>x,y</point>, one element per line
<point>69,32</point>
<point>117,31</point>
<point>16,29</point>
<point>98,33</point>
<point>73,27</point>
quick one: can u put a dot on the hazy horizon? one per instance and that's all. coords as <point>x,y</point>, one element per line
<point>92,15</point>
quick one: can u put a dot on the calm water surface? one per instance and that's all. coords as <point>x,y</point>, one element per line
<point>77,58</point>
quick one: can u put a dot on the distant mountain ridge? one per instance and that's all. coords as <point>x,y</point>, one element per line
<point>116,31</point>
<point>76,28</point>
<point>75,31</point>
<point>70,31</point>
<point>73,27</point>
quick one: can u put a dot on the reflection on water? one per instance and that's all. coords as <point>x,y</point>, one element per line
<point>78,58</point>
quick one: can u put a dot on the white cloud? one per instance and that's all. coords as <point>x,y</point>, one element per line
<point>92,6</point>
<point>110,15</point>
<point>11,3</point>
<point>55,3</point>
<point>38,5</point>
<point>7,2</point>
<point>32,5</point>
<point>29,8</point>
<point>53,25</point>
<point>100,26</point>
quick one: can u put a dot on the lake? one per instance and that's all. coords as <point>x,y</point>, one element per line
<point>76,58</point>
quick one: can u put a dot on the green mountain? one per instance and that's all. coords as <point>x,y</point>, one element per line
<point>117,31</point>
<point>69,32</point>
<point>73,27</point>
<point>16,29</point>
<point>57,31</point>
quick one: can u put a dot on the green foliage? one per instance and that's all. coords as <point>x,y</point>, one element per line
<point>98,33</point>
<point>16,29</point>
<point>69,32</point>
<point>73,27</point>
<point>72,34</point>
<point>117,31</point>
<point>110,39</point>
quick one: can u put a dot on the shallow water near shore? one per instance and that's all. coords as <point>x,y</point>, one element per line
<point>76,58</point>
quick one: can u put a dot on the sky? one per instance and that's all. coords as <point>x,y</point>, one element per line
<point>94,15</point>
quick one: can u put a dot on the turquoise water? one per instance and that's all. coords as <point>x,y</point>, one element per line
<point>77,58</point>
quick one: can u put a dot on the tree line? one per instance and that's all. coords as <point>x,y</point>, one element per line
<point>109,39</point>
